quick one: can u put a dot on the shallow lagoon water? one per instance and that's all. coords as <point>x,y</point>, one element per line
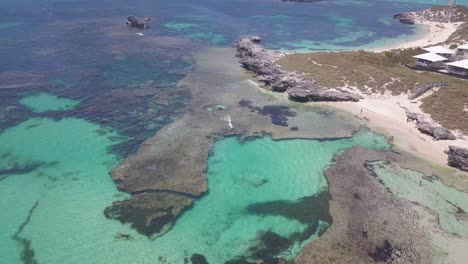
<point>427,191</point>
<point>45,102</point>
<point>72,187</point>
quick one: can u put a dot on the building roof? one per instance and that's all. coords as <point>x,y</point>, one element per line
<point>432,57</point>
<point>460,64</point>
<point>439,50</point>
<point>463,47</point>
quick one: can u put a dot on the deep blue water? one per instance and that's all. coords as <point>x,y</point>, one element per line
<point>82,50</point>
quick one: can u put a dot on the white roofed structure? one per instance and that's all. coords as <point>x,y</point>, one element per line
<point>432,57</point>
<point>458,67</point>
<point>439,50</point>
<point>463,64</point>
<point>463,47</point>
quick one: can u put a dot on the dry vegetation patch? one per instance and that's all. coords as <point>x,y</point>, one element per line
<point>372,72</point>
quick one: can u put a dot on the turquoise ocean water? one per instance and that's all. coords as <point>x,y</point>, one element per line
<point>87,100</point>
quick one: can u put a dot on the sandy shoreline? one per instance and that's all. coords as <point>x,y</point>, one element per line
<point>434,33</point>
<point>386,114</point>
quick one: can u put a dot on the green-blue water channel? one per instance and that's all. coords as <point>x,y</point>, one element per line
<point>63,165</point>
<point>430,192</point>
<point>45,102</point>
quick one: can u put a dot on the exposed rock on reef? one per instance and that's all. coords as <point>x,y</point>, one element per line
<point>458,158</point>
<point>261,62</point>
<point>405,18</point>
<point>167,173</point>
<point>430,127</point>
<point>369,224</point>
<point>133,21</point>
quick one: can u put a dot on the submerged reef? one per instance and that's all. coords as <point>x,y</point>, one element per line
<point>147,217</point>
<point>28,255</point>
<point>370,224</point>
<point>172,164</point>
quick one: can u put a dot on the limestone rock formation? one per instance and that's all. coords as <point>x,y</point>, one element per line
<point>422,89</point>
<point>133,21</point>
<point>429,127</point>
<point>458,157</point>
<point>441,14</point>
<point>261,62</point>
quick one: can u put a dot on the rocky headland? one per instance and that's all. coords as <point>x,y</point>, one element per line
<point>441,14</point>
<point>262,63</point>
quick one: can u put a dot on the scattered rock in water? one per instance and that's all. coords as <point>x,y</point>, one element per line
<point>133,21</point>
<point>405,18</point>
<point>458,157</point>
<point>198,259</point>
<point>259,183</point>
<point>122,236</point>
<point>261,62</point>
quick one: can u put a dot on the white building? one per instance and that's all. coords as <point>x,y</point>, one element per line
<point>430,60</point>
<point>440,51</point>
<point>458,67</point>
<point>463,49</point>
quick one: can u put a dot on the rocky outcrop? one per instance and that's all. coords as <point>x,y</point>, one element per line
<point>458,157</point>
<point>308,91</point>
<point>405,18</point>
<point>429,127</point>
<point>261,62</point>
<point>440,14</point>
<point>370,225</point>
<point>420,90</point>
<point>133,21</point>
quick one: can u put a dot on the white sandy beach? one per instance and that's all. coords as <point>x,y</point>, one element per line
<point>434,33</point>
<point>386,114</point>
